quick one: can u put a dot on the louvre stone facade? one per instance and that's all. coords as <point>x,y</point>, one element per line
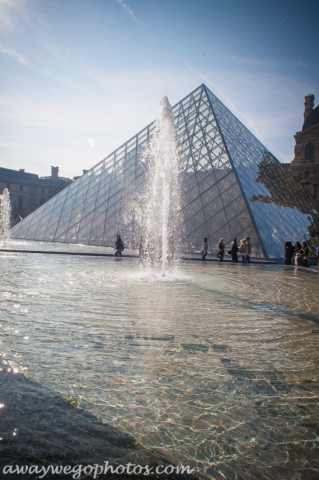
<point>28,191</point>
<point>305,165</point>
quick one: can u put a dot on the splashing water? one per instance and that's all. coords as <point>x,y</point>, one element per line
<point>5,214</point>
<point>160,241</point>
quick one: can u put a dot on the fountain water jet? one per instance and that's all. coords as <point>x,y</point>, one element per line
<point>5,215</point>
<point>162,196</point>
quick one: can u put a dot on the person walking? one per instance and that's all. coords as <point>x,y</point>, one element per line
<point>289,251</point>
<point>221,250</point>
<point>248,249</point>
<point>119,245</point>
<point>204,248</point>
<point>242,250</point>
<point>233,250</point>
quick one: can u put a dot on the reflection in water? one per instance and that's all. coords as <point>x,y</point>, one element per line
<point>76,438</point>
<point>285,191</point>
<point>283,188</point>
<point>215,366</point>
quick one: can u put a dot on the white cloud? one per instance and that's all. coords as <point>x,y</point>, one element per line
<point>59,125</point>
<point>282,21</point>
<point>5,21</point>
<point>9,9</point>
<point>11,52</point>
<point>130,11</point>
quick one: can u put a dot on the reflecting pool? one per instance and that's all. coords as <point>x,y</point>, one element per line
<point>214,365</point>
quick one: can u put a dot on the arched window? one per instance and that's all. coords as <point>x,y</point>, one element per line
<point>307,174</point>
<point>309,151</point>
<point>42,201</point>
<point>20,202</point>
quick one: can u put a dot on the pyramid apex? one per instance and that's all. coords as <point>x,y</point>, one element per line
<point>231,186</point>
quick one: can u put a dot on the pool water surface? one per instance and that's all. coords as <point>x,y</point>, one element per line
<point>215,365</point>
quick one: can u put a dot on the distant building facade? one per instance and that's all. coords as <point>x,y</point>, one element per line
<point>28,191</point>
<point>305,165</point>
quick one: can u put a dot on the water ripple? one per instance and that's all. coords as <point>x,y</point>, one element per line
<point>216,366</point>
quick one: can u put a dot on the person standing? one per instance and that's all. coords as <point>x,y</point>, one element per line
<point>242,250</point>
<point>233,250</point>
<point>221,250</point>
<point>119,245</point>
<point>204,248</point>
<point>289,251</point>
<point>298,248</point>
<point>305,253</point>
<point>248,249</point>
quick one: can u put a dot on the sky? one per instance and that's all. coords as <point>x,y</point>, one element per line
<point>80,77</point>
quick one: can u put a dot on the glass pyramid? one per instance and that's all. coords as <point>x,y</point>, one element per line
<point>231,186</point>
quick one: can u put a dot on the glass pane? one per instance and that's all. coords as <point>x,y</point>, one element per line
<point>194,222</point>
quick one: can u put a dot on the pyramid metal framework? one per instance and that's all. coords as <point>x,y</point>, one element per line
<point>231,186</point>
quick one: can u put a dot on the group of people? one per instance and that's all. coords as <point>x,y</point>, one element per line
<point>296,254</point>
<point>244,249</point>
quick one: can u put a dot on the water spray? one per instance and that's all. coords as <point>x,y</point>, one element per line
<point>162,197</point>
<point>5,215</point>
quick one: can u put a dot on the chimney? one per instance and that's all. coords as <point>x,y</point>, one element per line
<point>21,170</point>
<point>84,171</point>
<point>55,172</point>
<point>309,104</point>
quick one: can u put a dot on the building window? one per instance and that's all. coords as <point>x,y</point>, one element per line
<point>42,191</point>
<point>309,151</point>
<point>20,202</point>
<point>42,201</point>
<point>21,188</point>
<point>307,174</point>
